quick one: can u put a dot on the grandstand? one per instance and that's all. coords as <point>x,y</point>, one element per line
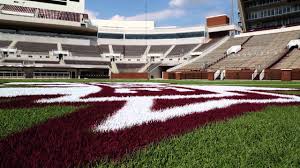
<point>259,52</point>
<point>258,55</point>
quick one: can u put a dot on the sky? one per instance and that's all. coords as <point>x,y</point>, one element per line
<point>164,12</point>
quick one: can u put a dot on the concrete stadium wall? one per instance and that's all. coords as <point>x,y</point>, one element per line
<point>185,75</point>
<point>168,75</point>
<point>239,74</point>
<point>272,74</point>
<point>130,76</point>
<point>296,74</point>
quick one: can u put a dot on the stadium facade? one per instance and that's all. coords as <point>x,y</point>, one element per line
<point>268,14</point>
<point>66,43</point>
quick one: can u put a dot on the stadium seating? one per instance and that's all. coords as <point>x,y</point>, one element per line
<point>291,61</point>
<point>219,53</point>
<point>159,49</point>
<point>82,51</point>
<point>129,51</point>
<point>35,48</point>
<point>58,15</point>
<point>45,13</point>
<point>18,9</point>
<point>104,49</point>
<point>181,50</point>
<point>4,44</point>
<point>128,68</point>
<point>207,45</point>
<point>259,52</point>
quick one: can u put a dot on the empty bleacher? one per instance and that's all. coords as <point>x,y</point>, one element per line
<point>207,45</point>
<point>43,13</point>
<point>291,61</point>
<point>128,68</point>
<point>129,51</point>
<point>18,9</point>
<point>82,51</point>
<point>214,56</point>
<point>104,49</point>
<point>259,52</point>
<point>159,49</point>
<point>58,15</point>
<point>4,44</point>
<point>181,50</point>
<point>35,48</point>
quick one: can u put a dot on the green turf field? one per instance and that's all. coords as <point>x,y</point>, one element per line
<point>293,84</point>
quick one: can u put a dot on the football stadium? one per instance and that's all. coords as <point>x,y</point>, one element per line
<point>81,90</point>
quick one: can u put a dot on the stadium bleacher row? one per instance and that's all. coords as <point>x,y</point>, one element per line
<point>159,49</point>
<point>129,51</point>
<point>259,52</point>
<point>134,51</point>
<point>4,44</point>
<point>214,56</point>
<point>35,48</point>
<point>291,61</point>
<point>43,13</point>
<point>181,50</point>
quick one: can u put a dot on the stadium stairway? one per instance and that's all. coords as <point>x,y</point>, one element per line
<point>114,68</point>
<point>145,68</point>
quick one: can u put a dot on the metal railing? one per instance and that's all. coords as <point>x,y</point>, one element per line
<point>12,75</point>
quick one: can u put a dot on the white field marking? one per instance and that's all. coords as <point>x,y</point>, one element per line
<point>138,111</point>
<point>125,90</point>
<point>70,91</point>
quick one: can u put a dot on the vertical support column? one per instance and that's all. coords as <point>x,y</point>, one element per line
<point>178,75</point>
<point>165,75</point>
<point>211,76</point>
<point>286,74</point>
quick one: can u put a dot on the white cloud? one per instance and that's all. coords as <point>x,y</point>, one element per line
<point>118,17</point>
<point>182,3</point>
<point>159,15</point>
<point>92,14</point>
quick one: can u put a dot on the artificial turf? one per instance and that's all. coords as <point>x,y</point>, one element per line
<point>266,83</point>
<point>270,138</point>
